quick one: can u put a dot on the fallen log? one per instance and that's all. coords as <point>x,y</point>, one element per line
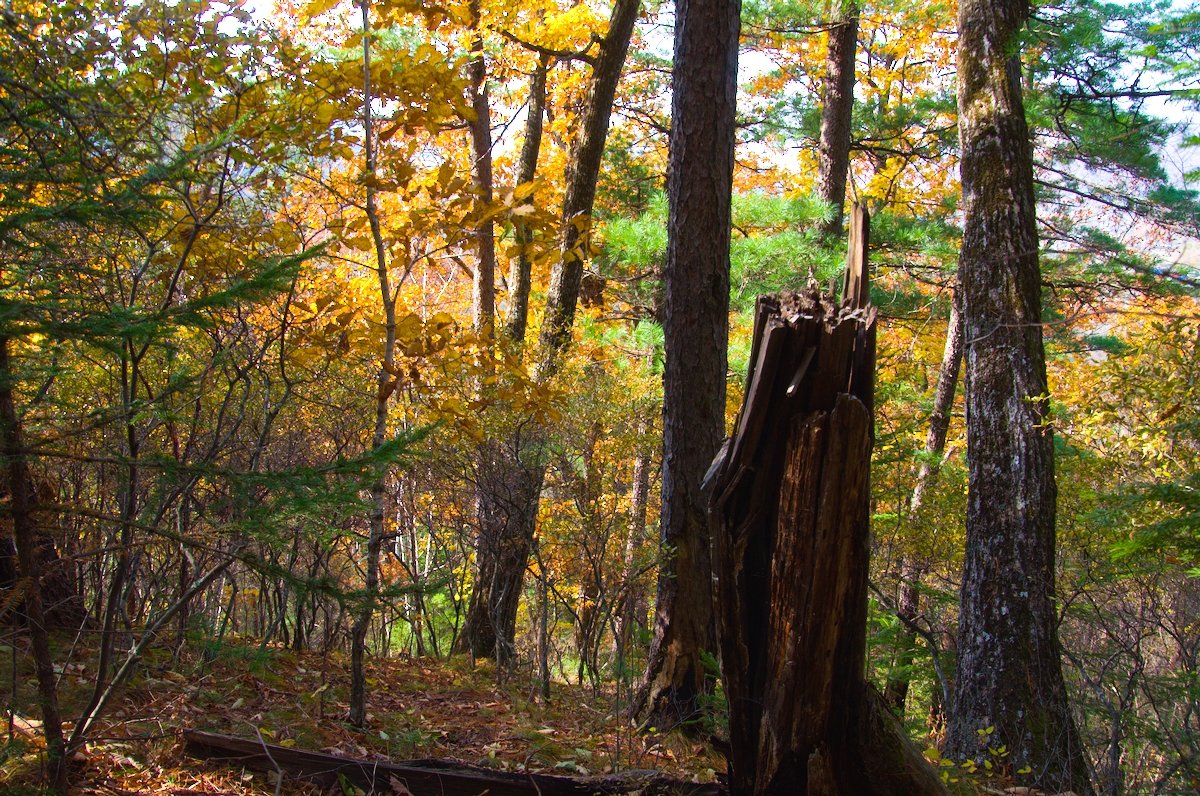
<point>419,777</point>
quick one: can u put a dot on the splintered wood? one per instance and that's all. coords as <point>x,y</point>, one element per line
<point>789,498</point>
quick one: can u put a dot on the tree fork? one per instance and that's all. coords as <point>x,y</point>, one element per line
<point>491,615</point>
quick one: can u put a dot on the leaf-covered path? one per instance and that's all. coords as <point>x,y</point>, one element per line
<point>417,709</point>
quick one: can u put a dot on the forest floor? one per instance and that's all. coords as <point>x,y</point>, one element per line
<point>417,708</point>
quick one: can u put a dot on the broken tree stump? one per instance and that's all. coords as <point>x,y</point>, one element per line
<point>789,514</point>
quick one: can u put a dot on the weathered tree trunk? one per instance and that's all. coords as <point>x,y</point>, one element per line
<point>505,488</point>
<point>507,491</point>
<point>442,777</point>
<point>833,148</point>
<point>1009,674</point>
<point>695,328</point>
<point>790,523</point>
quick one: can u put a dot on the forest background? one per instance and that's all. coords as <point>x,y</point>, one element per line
<point>281,372</point>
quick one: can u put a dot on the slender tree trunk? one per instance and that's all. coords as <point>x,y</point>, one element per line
<point>386,384</point>
<point>631,593</point>
<point>592,602</point>
<point>899,677</point>
<point>16,472</point>
<point>122,565</point>
<point>506,488</point>
<point>1009,674</point>
<point>543,638</point>
<point>491,524</point>
<point>833,149</point>
<point>943,407</point>
<point>517,469</point>
<point>519,277</point>
<point>484,296</point>
<point>580,196</point>
<point>696,318</point>
<point>911,570</point>
<point>183,528</point>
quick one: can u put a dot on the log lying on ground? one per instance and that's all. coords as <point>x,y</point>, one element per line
<point>789,513</point>
<point>441,777</point>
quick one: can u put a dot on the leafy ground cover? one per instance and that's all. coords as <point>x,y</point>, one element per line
<point>418,708</point>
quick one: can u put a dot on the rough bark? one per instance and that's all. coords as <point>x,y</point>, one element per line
<point>695,328</point>
<point>1009,673</point>
<point>790,520</point>
<point>507,490</point>
<point>833,148</point>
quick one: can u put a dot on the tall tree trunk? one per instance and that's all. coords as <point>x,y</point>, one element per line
<point>579,198</point>
<point>695,327</point>
<point>517,469</point>
<point>386,384</point>
<point>484,295</point>
<point>833,149</point>
<point>506,488</point>
<point>130,379</point>
<point>29,575</point>
<point>493,520</point>
<point>911,570</point>
<point>1009,674</point>
<point>522,265</point>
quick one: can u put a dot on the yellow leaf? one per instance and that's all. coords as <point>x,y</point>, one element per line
<point>359,243</point>
<point>524,190</point>
<point>316,8</point>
